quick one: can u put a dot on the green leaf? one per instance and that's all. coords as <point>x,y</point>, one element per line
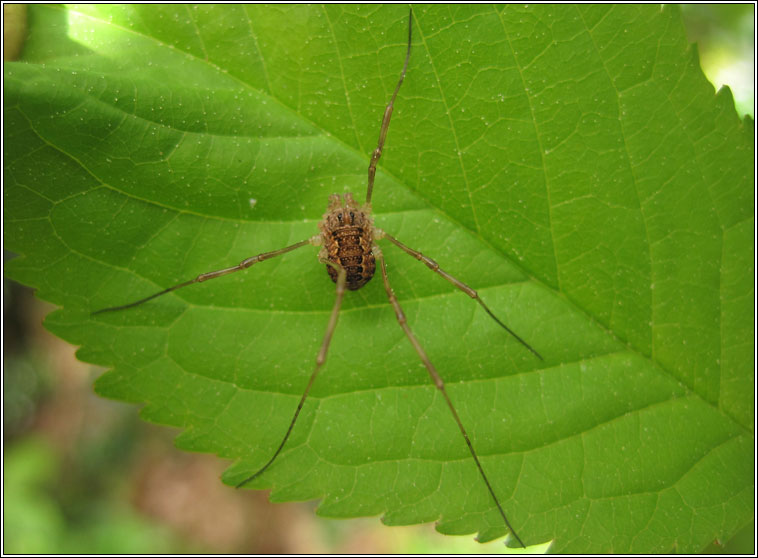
<point>570,163</point>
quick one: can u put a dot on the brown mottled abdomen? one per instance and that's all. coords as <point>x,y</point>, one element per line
<point>347,231</point>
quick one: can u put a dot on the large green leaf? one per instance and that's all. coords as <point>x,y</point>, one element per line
<point>571,163</point>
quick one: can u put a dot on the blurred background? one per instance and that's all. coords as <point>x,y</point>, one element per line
<point>84,475</point>
<point>725,36</point>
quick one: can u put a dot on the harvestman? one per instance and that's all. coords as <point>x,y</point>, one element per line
<point>349,252</point>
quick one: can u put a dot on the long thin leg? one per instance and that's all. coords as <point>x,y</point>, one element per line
<point>439,384</point>
<point>434,266</point>
<point>320,359</point>
<point>244,264</point>
<point>387,115</point>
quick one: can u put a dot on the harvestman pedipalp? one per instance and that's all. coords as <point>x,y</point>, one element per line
<point>349,252</point>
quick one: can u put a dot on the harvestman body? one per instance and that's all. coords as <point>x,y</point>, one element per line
<point>350,253</point>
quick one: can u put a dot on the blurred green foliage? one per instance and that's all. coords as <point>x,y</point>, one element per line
<point>35,522</point>
<point>725,34</point>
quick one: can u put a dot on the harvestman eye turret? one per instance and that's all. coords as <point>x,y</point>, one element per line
<point>350,253</point>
